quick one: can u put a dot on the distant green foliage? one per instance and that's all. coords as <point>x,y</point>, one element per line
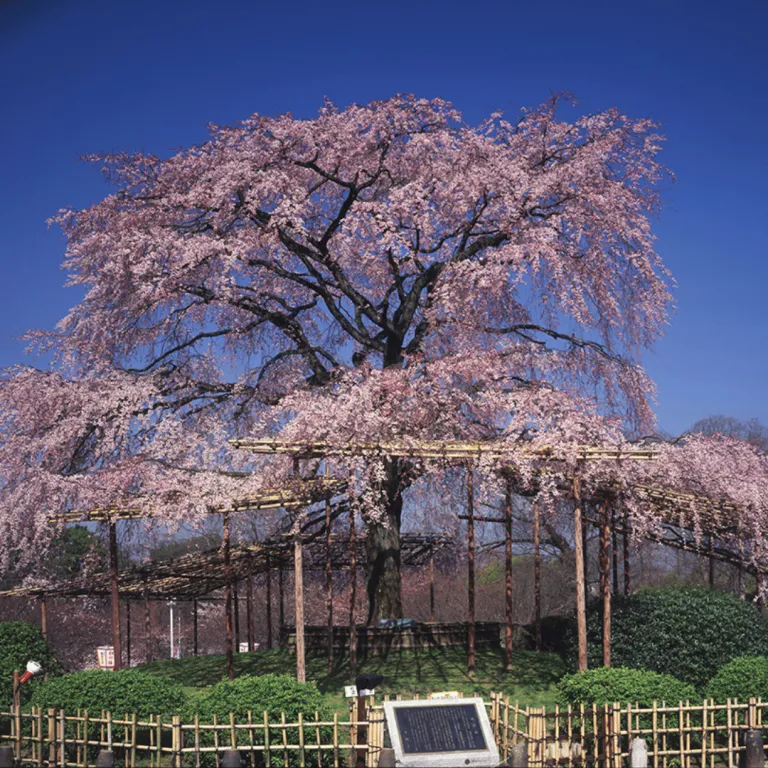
<point>686,633</point>
<point>19,643</point>
<point>621,684</point>
<point>740,679</point>
<point>119,692</point>
<point>277,694</point>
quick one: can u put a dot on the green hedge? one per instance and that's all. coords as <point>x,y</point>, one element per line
<point>740,679</point>
<point>276,694</point>
<point>622,684</point>
<point>119,692</point>
<point>19,643</point>
<point>686,633</point>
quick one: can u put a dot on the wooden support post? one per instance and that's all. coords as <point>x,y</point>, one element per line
<point>431,586</point>
<point>605,581</point>
<point>298,581</point>
<point>740,573</point>
<point>711,562</point>
<point>470,571</point>
<point>281,606</point>
<point>128,634</point>
<point>236,612</point>
<point>581,596</point>
<point>195,646</point>
<point>147,626</point>
<point>614,552</point>
<point>269,602</point>
<point>537,572</point>
<point>249,607</point>
<point>115,595</point>
<point>352,593</point>
<point>508,577</point>
<point>328,581</point>
<point>627,573</point>
<point>228,601</point>
<point>44,618</point>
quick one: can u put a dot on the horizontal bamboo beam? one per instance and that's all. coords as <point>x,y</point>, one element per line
<point>433,449</point>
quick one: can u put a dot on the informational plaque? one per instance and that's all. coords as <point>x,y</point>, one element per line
<point>441,732</point>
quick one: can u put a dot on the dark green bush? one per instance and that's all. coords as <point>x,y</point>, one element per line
<point>686,633</point>
<point>19,643</point>
<point>740,679</point>
<point>276,694</point>
<point>624,685</point>
<point>127,691</point>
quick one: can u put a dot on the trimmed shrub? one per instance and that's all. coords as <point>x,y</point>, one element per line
<point>276,694</point>
<point>686,633</point>
<point>740,679</point>
<point>118,692</point>
<point>19,643</point>
<point>622,684</point>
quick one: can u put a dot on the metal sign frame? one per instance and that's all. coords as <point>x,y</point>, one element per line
<point>479,758</point>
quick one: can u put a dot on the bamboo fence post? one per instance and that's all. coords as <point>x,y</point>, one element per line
<point>605,584</point>
<point>232,734</point>
<point>133,740</point>
<point>470,571</point>
<point>729,723</point>
<point>40,736</point>
<point>215,737</point>
<point>581,599</point>
<point>249,609</point>
<point>285,738</point>
<point>115,594</point>
<point>196,723</point>
<point>267,748</point>
<point>318,740</point>
<point>508,576</point>
<point>269,601</point>
<point>302,756</point>
<point>85,738</point>
<point>301,672</point>
<point>62,747</point>
<point>228,600</point>
<point>52,737</point>
<point>335,740</point>
<point>251,757</point>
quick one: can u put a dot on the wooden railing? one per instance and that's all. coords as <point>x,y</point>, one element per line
<point>684,735</point>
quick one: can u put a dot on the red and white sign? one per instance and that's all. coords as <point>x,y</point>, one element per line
<point>105,655</point>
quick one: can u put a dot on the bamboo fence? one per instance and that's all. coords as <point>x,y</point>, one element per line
<point>682,735</point>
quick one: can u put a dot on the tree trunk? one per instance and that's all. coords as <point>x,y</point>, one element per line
<point>382,544</point>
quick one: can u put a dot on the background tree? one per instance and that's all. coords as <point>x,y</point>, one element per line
<point>751,430</point>
<point>378,271</point>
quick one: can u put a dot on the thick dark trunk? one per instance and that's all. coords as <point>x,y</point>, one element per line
<point>383,551</point>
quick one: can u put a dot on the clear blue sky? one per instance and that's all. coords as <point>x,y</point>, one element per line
<point>87,76</point>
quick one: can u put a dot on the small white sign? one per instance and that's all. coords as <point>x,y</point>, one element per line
<point>105,655</point>
<point>444,695</point>
<point>350,691</point>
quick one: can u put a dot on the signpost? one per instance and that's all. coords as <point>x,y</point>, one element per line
<point>441,732</point>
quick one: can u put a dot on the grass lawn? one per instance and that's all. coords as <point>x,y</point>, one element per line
<point>531,681</point>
